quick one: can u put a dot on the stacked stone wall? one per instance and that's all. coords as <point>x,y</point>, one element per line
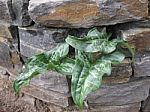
<point>29,27</point>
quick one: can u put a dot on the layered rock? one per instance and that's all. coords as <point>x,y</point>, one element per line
<point>87,13</point>
<point>121,94</point>
<point>124,108</point>
<point>142,64</point>
<point>53,90</point>
<point>36,40</point>
<point>120,73</point>
<point>146,105</point>
<point>138,38</point>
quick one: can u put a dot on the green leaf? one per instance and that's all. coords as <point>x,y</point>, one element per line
<point>125,44</point>
<point>94,55</point>
<point>89,45</point>
<point>66,66</point>
<point>95,34</point>
<point>86,77</point>
<point>131,50</point>
<point>39,64</point>
<point>108,47</point>
<point>115,57</point>
<point>79,73</point>
<point>59,52</point>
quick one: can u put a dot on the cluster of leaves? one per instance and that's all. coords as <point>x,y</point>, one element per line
<point>86,69</point>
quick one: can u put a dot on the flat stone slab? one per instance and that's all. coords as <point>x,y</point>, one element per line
<point>87,13</point>
<point>121,94</point>
<point>142,65</point>
<point>139,38</point>
<point>52,81</point>
<point>36,40</point>
<point>120,73</point>
<point>123,108</point>
<point>35,90</point>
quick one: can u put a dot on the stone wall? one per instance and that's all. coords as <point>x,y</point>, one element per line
<point>29,27</point>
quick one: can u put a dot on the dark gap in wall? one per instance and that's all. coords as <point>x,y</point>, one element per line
<point>141,109</point>
<point>144,104</point>
<point>14,47</point>
<point>70,100</point>
<point>132,66</point>
<point>15,34</point>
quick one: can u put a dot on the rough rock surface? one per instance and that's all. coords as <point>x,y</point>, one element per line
<point>52,81</point>
<point>45,95</point>
<point>120,73</point>
<point>8,48</point>
<point>142,64</point>
<point>124,108</point>
<point>5,59</point>
<point>146,105</point>
<point>36,40</point>
<point>121,94</point>
<point>86,13</point>
<point>26,103</point>
<point>6,14</point>
<point>20,9</point>
<point>139,38</point>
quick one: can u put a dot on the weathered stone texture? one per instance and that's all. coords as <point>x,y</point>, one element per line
<point>86,13</point>
<point>146,105</point>
<point>20,9</point>
<point>48,96</point>
<point>124,108</point>
<point>6,14</point>
<point>121,94</point>
<point>96,108</point>
<point>36,40</point>
<point>142,65</point>
<point>139,38</point>
<point>9,57</point>
<point>5,59</point>
<point>52,81</point>
<point>120,73</point>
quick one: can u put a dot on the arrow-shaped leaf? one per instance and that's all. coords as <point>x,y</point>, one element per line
<point>39,64</point>
<point>87,78</point>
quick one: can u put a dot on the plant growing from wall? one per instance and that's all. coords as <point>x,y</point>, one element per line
<point>95,53</point>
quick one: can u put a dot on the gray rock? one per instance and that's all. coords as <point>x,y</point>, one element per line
<point>5,59</point>
<point>123,108</point>
<point>121,94</point>
<point>68,13</point>
<point>146,105</point>
<point>142,65</point>
<point>52,81</point>
<point>6,14</point>
<point>138,38</point>
<point>9,57</point>
<point>48,96</point>
<point>20,9</point>
<point>120,73</point>
<point>36,40</point>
